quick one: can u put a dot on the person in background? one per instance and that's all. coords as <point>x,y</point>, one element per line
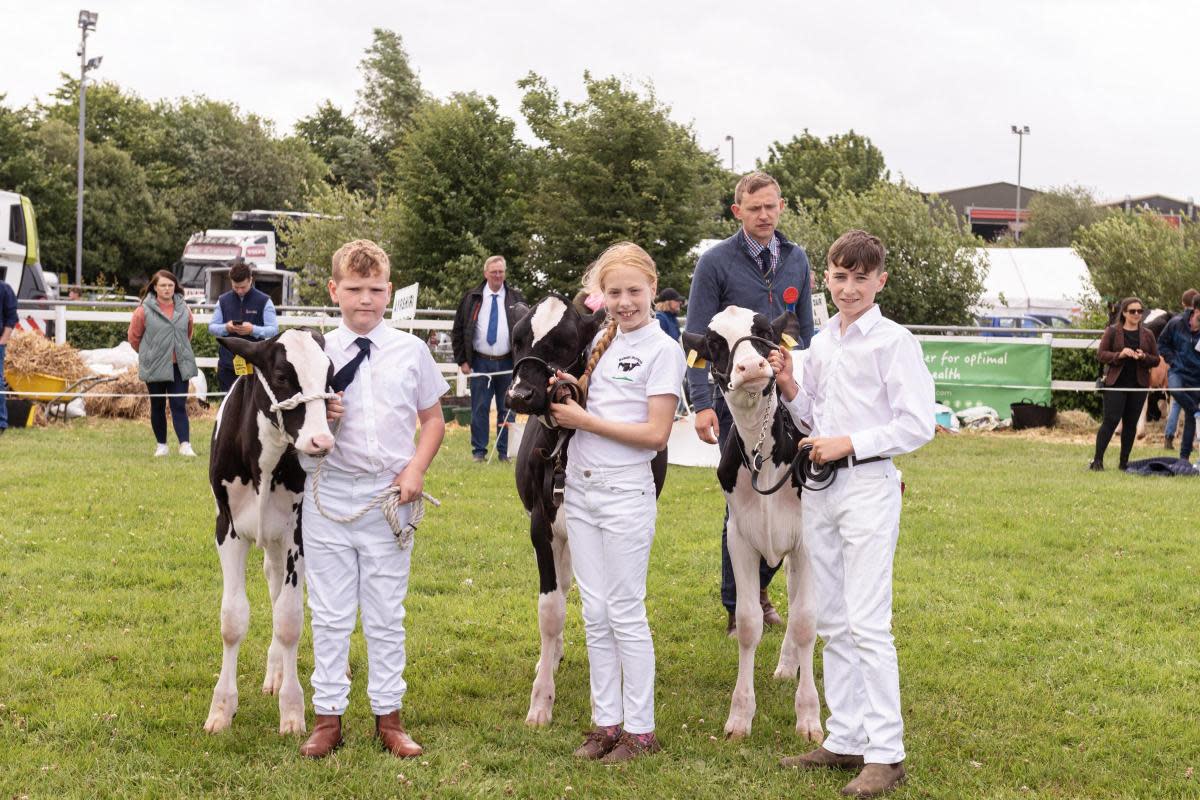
<point>1128,351</point>
<point>482,349</point>
<point>1173,415</point>
<point>759,269</point>
<point>667,311</point>
<point>244,312</point>
<point>8,322</point>
<point>1177,345</point>
<point>161,333</point>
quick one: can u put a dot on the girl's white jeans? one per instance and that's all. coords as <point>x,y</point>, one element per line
<point>610,526</point>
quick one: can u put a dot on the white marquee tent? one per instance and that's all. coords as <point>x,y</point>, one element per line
<point>1039,280</point>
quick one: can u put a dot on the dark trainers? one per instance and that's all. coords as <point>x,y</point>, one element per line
<point>1096,466</point>
<point>822,759</point>
<point>875,780</point>
<point>631,746</point>
<point>598,742</point>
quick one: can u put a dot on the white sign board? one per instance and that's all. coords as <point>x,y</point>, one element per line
<point>404,304</point>
<point>820,310</point>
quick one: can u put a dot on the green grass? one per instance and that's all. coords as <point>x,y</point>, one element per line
<point>1045,618</point>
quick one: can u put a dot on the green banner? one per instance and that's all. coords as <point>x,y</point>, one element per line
<point>970,374</point>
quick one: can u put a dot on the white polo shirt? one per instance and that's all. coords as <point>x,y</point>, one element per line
<point>398,379</point>
<point>634,368</point>
<point>479,342</point>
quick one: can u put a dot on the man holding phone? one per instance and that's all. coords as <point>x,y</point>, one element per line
<point>244,312</point>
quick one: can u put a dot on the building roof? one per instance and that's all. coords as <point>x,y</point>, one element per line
<point>1001,194</point>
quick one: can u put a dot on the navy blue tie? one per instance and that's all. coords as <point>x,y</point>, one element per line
<point>764,256</point>
<point>345,375</point>
<point>493,331</point>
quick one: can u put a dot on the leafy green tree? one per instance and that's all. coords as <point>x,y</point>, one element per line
<point>1139,254</point>
<point>615,166</point>
<point>933,275</point>
<point>391,90</point>
<point>1057,215</point>
<point>311,242</point>
<point>811,170</point>
<point>461,177</point>
<point>345,149</point>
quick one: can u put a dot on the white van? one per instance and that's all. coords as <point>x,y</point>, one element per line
<point>20,267</point>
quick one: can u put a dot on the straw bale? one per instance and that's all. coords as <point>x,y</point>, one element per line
<point>31,352</point>
<point>137,407</point>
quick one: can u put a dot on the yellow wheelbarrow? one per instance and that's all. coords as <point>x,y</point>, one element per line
<point>55,392</point>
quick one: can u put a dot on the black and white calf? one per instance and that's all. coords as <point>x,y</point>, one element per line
<point>551,336</point>
<point>762,525</point>
<point>258,484</point>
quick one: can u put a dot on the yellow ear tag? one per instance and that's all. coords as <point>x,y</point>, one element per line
<point>788,342</point>
<point>694,360</point>
<point>242,367</point>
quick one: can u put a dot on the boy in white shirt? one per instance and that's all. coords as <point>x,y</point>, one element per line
<point>866,395</point>
<point>390,384</point>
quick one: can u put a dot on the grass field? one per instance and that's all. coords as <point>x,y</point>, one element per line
<point>1046,619</point>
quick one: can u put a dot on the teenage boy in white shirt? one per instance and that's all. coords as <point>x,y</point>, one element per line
<point>865,393</point>
<point>390,384</point>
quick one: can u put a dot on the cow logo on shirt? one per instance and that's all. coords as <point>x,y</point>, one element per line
<point>625,365</point>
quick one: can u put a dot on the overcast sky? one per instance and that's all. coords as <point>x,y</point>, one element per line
<point>1108,87</point>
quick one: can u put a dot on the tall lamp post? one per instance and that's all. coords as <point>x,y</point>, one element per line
<point>1021,131</point>
<point>87,22</point>
<point>729,138</point>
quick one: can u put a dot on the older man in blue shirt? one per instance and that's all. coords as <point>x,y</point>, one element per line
<point>753,269</point>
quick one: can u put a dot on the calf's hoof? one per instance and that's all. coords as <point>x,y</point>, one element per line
<point>810,730</point>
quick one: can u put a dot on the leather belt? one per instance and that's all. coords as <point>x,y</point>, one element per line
<point>849,461</point>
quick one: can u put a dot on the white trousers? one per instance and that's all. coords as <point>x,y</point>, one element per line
<point>610,526</point>
<point>350,567</point>
<point>850,530</point>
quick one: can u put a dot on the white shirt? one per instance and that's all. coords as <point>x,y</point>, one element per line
<point>398,379</point>
<point>634,368</point>
<point>480,342</point>
<point>870,384</point>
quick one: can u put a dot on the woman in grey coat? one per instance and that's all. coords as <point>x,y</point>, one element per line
<point>161,333</point>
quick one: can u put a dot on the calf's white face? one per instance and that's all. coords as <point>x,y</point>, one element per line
<point>311,367</point>
<point>747,366</point>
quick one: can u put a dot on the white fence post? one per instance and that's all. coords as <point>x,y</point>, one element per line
<point>60,324</point>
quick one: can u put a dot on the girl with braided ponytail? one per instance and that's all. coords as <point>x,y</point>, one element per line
<point>632,383</point>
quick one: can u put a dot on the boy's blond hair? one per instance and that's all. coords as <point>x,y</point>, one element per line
<point>360,257</point>
<point>857,251</point>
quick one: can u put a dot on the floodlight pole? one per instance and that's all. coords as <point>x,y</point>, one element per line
<point>1021,131</point>
<point>87,22</point>
<point>729,138</point>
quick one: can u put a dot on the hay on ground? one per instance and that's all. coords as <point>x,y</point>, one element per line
<point>31,352</point>
<point>137,407</point>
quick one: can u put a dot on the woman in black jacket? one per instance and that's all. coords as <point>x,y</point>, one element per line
<point>1128,350</point>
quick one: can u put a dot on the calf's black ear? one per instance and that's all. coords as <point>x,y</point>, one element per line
<point>516,313</point>
<point>785,323</point>
<point>254,352</point>
<point>697,342</point>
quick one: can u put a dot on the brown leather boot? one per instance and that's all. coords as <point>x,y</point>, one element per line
<point>392,736</point>
<point>875,779</point>
<point>822,759</point>
<point>770,615</point>
<point>598,742</point>
<point>326,737</point>
<point>631,746</point>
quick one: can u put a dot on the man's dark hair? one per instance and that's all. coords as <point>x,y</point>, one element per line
<point>1196,303</point>
<point>857,251</point>
<point>1189,297</point>
<point>240,271</point>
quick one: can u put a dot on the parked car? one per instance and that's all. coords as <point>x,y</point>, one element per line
<point>1016,325</point>
<point>1053,320</point>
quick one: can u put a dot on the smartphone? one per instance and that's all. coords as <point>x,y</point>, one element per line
<point>237,322</point>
